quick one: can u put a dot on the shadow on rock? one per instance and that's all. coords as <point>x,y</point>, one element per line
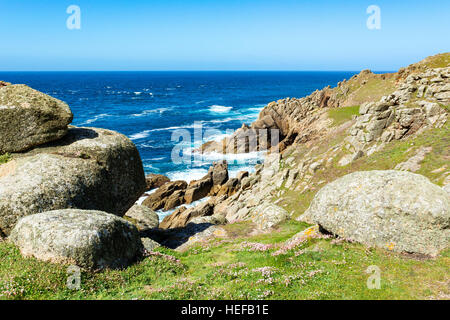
<point>174,238</point>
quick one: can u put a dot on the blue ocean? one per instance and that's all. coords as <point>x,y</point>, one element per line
<point>149,107</point>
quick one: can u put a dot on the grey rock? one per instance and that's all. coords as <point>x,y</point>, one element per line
<point>29,118</point>
<point>395,210</point>
<point>142,217</point>
<point>447,188</point>
<point>89,239</point>
<point>413,164</point>
<point>267,215</point>
<point>149,244</point>
<point>92,169</point>
<point>219,172</point>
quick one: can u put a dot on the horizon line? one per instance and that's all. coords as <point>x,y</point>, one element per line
<point>5,71</point>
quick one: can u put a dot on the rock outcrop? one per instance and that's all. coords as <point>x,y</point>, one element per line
<point>182,216</point>
<point>29,118</point>
<point>198,189</point>
<point>395,210</point>
<point>93,169</point>
<point>142,217</point>
<point>167,197</point>
<point>155,181</point>
<point>89,239</point>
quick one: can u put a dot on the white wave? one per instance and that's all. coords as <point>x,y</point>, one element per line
<point>217,137</point>
<point>144,196</point>
<point>138,93</point>
<point>223,120</point>
<point>140,135</point>
<point>146,112</point>
<point>147,145</point>
<point>150,168</point>
<point>94,119</point>
<point>145,133</point>
<point>219,109</point>
<point>232,157</point>
<point>187,175</point>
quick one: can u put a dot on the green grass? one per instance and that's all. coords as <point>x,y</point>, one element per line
<point>437,61</point>
<point>230,269</point>
<point>4,158</point>
<point>341,115</point>
<point>374,88</point>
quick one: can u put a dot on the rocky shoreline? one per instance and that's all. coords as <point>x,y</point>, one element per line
<point>68,194</point>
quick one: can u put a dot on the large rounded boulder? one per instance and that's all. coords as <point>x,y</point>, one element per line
<point>30,118</point>
<point>91,169</point>
<point>395,210</point>
<point>89,239</point>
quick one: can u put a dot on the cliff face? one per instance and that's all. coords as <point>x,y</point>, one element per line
<point>296,119</point>
<point>369,122</point>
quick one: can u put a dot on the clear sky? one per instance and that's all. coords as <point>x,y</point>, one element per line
<point>220,34</point>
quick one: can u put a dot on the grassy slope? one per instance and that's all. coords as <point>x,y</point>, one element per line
<point>317,269</point>
<point>341,115</point>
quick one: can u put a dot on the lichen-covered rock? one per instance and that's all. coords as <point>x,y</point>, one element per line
<point>92,169</point>
<point>267,215</point>
<point>89,239</point>
<point>142,217</point>
<point>395,210</point>
<point>29,118</point>
<point>149,244</point>
<point>447,188</point>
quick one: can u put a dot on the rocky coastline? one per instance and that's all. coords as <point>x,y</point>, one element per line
<point>68,194</point>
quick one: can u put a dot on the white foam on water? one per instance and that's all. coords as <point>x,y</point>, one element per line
<point>94,119</point>
<point>156,159</point>
<point>140,135</point>
<point>187,175</point>
<point>144,196</point>
<point>219,109</point>
<point>147,112</point>
<point>233,157</point>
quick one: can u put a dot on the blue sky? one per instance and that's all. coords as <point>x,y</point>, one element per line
<point>220,35</point>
